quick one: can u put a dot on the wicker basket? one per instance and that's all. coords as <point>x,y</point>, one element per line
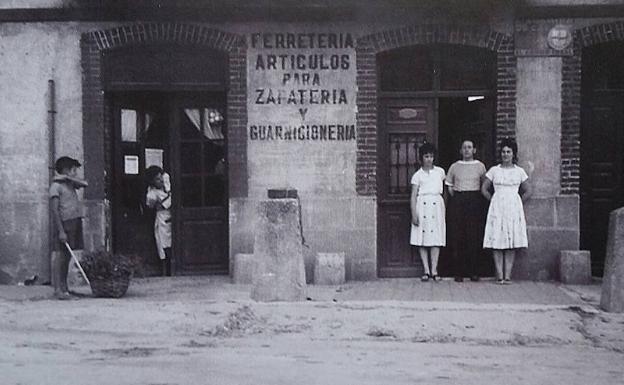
<point>110,287</point>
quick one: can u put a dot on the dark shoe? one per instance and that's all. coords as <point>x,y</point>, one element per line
<point>500,281</point>
<point>507,281</point>
<point>436,278</point>
<point>62,296</point>
<point>425,277</point>
<point>475,278</point>
<point>459,279</point>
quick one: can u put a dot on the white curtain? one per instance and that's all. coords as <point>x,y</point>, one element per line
<point>194,116</point>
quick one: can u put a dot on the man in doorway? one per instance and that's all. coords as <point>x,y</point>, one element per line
<point>466,212</point>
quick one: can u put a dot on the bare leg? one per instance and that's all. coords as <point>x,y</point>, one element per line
<point>56,271</point>
<point>425,259</point>
<point>510,255</point>
<point>435,254</point>
<point>498,263</point>
<point>64,268</point>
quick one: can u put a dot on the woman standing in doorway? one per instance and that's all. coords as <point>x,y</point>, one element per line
<point>428,217</point>
<point>505,226</point>
<point>159,198</point>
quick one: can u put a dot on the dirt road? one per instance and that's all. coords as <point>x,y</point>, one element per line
<point>168,340</point>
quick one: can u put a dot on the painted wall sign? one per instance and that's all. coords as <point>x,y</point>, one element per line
<point>301,90</point>
<point>301,86</point>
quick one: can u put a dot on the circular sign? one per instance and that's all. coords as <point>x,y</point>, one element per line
<point>559,37</point>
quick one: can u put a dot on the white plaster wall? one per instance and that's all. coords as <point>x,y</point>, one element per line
<point>30,55</point>
<point>539,122</point>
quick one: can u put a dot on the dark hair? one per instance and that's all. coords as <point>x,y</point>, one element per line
<point>474,144</point>
<point>508,142</point>
<point>151,172</point>
<point>426,148</point>
<point>65,163</point>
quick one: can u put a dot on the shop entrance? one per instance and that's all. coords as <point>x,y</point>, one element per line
<point>183,133</point>
<point>602,141</point>
<point>440,94</point>
<point>166,106</point>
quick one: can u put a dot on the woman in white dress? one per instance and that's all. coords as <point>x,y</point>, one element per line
<point>428,230</point>
<point>505,227</point>
<point>158,197</point>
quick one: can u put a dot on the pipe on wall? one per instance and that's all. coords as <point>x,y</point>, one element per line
<point>51,123</point>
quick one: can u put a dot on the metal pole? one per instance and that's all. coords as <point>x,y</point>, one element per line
<point>51,159</point>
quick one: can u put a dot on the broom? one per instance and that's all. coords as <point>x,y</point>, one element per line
<point>71,252</point>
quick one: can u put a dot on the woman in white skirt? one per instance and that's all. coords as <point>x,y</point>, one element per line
<point>505,227</point>
<point>428,215</point>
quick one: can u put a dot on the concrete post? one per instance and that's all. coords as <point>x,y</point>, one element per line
<point>575,267</point>
<point>278,249</point>
<point>612,299</point>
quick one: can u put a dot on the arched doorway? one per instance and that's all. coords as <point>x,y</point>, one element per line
<point>439,93</point>
<point>167,105</point>
<point>602,141</point>
<point>164,82</point>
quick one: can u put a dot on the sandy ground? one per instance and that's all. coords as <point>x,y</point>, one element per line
<point>182,338</point>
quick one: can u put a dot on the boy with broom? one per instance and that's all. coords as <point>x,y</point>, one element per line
<point>67,219</point>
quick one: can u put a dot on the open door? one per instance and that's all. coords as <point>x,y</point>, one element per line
<point>200,184</point>
<point>185,135</point>
<point>141,138</point>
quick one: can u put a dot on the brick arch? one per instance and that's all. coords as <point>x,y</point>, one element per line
<point>571,99</point>
<point>369,46</point>
<point>97,138</point>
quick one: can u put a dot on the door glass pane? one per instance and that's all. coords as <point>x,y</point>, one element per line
<point>214,155</point>
<point>403,160</point>
<point>191,191</point>
<point>202,155</point>
<point>191,122</point>
<point>190,158</point>
<point>128,125</point>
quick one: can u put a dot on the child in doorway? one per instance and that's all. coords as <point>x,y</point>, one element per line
<point>159,198</point>
<point>428,223</point>
<point>466,209</point>
<point>67,213</point>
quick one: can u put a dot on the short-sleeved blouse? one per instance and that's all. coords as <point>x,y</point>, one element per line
<point>501,176</point>
<point>429,182</point>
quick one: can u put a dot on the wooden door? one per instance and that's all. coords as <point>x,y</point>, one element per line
<point>602,170</point>
<point>140,124</point>
<point>404,125</point>
<point>200,184</point>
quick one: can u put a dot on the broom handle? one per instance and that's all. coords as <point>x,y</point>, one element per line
<point>71,252</point>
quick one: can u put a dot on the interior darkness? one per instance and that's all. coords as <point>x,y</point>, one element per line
<point>460,119</point>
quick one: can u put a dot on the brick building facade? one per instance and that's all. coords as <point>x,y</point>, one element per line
<point>332,101</point>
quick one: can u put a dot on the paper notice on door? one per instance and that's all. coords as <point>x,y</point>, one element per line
<point>128,125</point>
<point>131,164</point>
<point>153,157</point>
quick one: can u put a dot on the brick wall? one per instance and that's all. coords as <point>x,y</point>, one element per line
<point>97,135</point>
<point>571,121</point>
<point>369,46</point>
